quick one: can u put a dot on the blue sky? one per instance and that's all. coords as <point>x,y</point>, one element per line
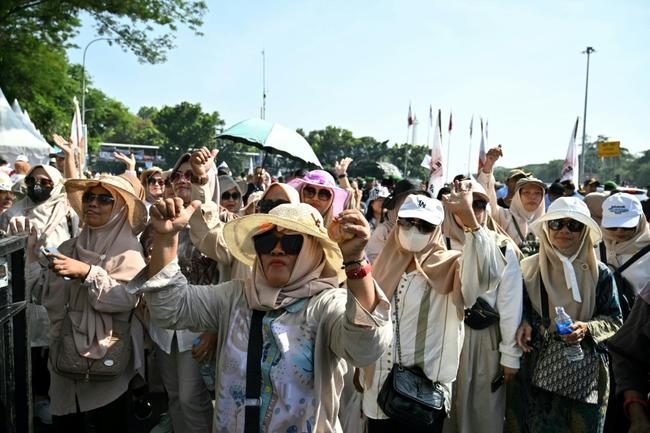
<point>358,64</point>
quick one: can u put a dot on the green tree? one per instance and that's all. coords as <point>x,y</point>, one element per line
<point>35,33</point>
<point>185,126</point>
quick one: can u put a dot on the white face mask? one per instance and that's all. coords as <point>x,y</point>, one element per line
<point>412,240</point>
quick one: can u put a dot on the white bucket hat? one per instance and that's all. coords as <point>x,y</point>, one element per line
<point>568,207</point>
<point>621,210</point>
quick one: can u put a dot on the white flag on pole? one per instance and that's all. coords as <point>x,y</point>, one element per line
<point>570,169</point>
<point>481,150</point>
<point>436,178</point>
<point>77,137</point>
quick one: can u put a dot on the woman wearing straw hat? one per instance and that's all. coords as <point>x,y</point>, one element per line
<point>85,285</point>
<point>526,207</point>
<point>570,395</point>
<point>291,310</point>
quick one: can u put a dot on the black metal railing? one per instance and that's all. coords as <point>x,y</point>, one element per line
<point>15,359</point>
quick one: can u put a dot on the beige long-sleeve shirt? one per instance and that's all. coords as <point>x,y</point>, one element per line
<point>313,339</point>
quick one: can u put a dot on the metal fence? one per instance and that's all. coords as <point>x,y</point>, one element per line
<point>15,359</point>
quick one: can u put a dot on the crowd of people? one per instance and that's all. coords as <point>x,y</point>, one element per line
<point>326,303</point>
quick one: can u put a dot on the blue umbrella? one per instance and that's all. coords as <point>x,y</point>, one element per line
<point>272,138</point>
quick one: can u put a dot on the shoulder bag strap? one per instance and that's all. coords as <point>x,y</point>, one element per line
<point>254,374</point>
<point>603,252</point>
<point>517,228</point>
<point>633,259</point>
<point>546,319</point>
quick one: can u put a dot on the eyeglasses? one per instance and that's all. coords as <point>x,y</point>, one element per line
<point>323,193</point>
<point>88,197</point>
<point>627,229</point>
<point>31,181</point>
<point>479,204</point>
<point>423,226</point>
<point>573,225</point>
<point>228,196</point>
<point>264,206</point>
<point>266,242</point>
<point>178,176</point>
<point>153,181</point>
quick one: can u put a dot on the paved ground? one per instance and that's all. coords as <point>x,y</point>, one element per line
<point>158,403</point>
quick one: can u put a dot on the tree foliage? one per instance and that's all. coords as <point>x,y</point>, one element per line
<point>35,33</point>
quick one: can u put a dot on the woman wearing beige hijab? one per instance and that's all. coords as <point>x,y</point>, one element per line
<point>490,353</point>
<point>625,233</point>
<point>97,265</point>
<point>307,325</point>
<point>429,287</point>
<point>567,273</point>
<point>526,207</point>
<point>45,213</point>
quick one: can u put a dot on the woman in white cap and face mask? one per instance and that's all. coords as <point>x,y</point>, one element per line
<point>564,393</point>
<point>429,288</point>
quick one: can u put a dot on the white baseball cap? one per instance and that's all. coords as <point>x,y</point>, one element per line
<point>621,210</point>
<point>422,207</point>
<point>22,158</point>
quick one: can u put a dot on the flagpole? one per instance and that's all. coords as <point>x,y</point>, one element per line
<point>469,157</point>
<point>406,149</point>
<point>448,157</point>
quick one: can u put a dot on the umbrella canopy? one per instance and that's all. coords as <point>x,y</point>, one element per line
<point>273,138</point>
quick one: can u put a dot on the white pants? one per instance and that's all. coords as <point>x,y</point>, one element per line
<point>190,406</point>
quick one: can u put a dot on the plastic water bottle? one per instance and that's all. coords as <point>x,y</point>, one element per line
<point>206,369</point>
<point>573,352</point>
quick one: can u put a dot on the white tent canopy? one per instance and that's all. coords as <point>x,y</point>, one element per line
<point>24,117</point>
<point>16,138</point>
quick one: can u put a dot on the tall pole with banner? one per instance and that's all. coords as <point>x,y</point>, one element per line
<point>588,52</point>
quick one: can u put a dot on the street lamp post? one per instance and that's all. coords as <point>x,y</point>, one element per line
<point>83,78</point>
<point>588,52</point>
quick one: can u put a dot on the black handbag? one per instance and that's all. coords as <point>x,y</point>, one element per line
<point>481,315</point>
<point>577,380</point>
<point>408,396</point>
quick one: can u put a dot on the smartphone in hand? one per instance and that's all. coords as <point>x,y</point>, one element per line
<point>498,381</point>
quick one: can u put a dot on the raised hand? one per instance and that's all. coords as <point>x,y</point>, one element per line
<point>459,202</point>
<point>491,157</point>
<point>63,144</point>
<point>168,216</point>
<point>353,223</point>
<point>202,160</point>
<point>18,225</point>
<point>341,167</point>
<point>129,161</point>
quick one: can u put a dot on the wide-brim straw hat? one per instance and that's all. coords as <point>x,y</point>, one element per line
<point>301,218</point>
<point>136,209</point>
<point>568,207</point>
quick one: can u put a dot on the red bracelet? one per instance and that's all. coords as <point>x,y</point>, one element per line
<point>358,272</point>
<point>629,401</point>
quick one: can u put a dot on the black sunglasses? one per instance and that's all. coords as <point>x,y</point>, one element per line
<point>573,225</point>
<point>264,206</point>
<point>266,242</point>
<point>88,197</point>
<point>176,176</point>
<point>479,204</point>
<point>627,229</point>
<point>31,181</point>
<point>152,181</point>
<point>423,226</point>
<point>227,196</point>
<point>323,194</point>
